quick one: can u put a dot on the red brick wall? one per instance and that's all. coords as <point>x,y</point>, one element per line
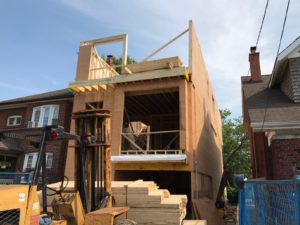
<point>58,148</point>
<point>286,155</point>
<point>4,114</point>
<point>65,110</point>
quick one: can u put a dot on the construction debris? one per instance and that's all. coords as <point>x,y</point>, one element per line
<point>149,204</point>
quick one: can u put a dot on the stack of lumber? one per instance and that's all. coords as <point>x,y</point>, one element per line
<point>149,204</point>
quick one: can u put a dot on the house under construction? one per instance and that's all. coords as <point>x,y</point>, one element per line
<point>165,123</point>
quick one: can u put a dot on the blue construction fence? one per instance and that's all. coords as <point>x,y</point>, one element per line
<point>269,202</point>
<point>15,178</point>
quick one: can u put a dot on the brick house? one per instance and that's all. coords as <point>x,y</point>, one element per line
<point>271,110</point>
<point>25,116</point>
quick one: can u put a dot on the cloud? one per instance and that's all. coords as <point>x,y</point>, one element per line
<point>226,30</point>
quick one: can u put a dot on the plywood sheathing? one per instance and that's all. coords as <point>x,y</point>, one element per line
<point>204,122</point>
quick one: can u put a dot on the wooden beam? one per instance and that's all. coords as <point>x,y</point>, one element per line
<point>105,40</point>
<point>96,87</point>
<point>133,143</point>
<point>81,89</point>
<point>125,46</point>
<point>152,166</point>
<point>103,86</point>
<point>149,75</point>
<point>127,70</point>
<point>165,63</point>
<point>75,89</point>
<point>165,45</point>
<point>89,88</point>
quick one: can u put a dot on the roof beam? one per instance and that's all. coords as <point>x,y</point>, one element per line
<point>165,45</point>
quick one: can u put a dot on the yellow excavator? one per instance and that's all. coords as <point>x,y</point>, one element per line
<point>89,203</point>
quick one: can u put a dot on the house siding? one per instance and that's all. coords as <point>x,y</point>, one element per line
<point>294,64</point>
<point>287,87</point>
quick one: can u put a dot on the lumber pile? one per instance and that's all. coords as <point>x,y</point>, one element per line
<point>149,204</point>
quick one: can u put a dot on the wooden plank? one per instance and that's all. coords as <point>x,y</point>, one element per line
<point>88,88</point>
<point>150,75</point>
<point>82,89</point>
<point>155,65</point>
<point>152,166</point>
<point>194,222</point>
<point>96,87</point>
<point>165,45</point>
<point>105,40</point>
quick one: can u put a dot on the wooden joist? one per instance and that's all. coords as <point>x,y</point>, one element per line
<point>87,88</point>
<point>149,204</point>
<point>166,63</point>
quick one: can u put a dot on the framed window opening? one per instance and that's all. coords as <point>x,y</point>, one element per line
<point>44,115</point>
<point>31,158</point>
<point>14,120</point>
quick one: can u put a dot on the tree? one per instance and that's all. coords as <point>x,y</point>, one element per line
<point>118,60</point>
<point>236,153</point>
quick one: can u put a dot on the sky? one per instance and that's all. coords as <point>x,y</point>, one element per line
<point>40,39</point>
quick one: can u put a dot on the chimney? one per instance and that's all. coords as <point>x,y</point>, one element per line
<point>254,64</point>
<point>109,60</point>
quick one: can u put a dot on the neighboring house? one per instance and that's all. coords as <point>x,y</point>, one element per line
<point>165,123</point>
<point>271,109</point>
<point>25,117</point>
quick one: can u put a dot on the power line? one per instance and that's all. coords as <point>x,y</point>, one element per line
<point>280,40</point>
<point>262,23</point>
<point>260,29</point>
<point>282,31</point>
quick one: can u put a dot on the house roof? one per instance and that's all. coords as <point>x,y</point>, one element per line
<point>269,108</point>
<point>8,147</point>
<point>63,93</point>
<point>291,51</point>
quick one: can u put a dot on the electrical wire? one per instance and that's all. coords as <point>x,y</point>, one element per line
<point>280,40</point>
<point>260,29</point>
<point>282,32</point>
<point>262,23</point>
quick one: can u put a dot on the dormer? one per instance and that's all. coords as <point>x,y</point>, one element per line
<point>286,73</point>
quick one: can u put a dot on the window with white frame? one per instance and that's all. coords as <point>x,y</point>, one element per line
<point>14,120</point>
<point>44,115</point>
<point>31,158</point>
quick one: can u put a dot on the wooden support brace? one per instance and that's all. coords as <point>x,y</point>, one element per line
<point>89,88</point>
<point>81,89</point>
<point>127,70</point>
<point>165,45</point>
<point>103,86</point>
<point>95,87</point>
<point>133,143</point>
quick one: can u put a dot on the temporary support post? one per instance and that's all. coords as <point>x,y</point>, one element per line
<point>92,158</point>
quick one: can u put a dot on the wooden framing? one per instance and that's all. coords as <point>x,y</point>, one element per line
<point>79,86</point>
<point>109,40</point>
<point>199,122</point>
<point>153,166</point>
<point>165,45</point>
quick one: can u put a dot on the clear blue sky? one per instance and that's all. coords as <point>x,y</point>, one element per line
<point>39,39</point>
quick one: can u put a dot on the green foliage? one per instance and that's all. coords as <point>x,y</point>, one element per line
<point>118,61</point>
<point>232,195</point>
<point>236,153</point>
